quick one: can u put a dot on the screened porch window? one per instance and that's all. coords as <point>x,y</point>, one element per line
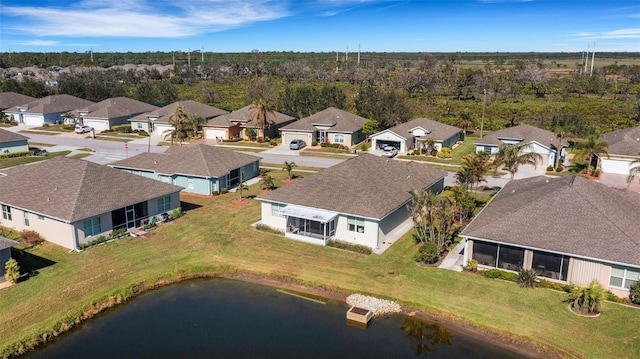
<point>623,277</point>
<point>550,265</point>
<point>498,255</point>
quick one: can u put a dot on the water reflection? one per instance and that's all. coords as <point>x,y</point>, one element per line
<point>425,335</point>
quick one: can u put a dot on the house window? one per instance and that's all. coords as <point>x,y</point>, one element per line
<point>190,183</point>
<point>623,277</point>
<point>487,149</point>
<point>275,210</point>
<point>338,139</point>
<point>41,217</point>
<point>26,219</point>
<point>92,227</point>
<point>139,125</point>
<point>550,265</point>
<point>164,204</point>
<point>355,224</point>
<point>6,212</point>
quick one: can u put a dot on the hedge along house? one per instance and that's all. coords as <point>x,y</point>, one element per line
<point>110,112</point>
<point>538,140</point>
<point>49,110</point>
<point>362,200</point>
<point>331,125</point>
<point>11,142</point>
<point>234,124</point>
<point>568,229</point>
<point>410,135</point>
<point>157,121</point>
<point>70,201</point>
<point>198,168</point>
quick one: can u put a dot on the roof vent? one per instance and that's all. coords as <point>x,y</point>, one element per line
<point>513,191</point>
<point>155,162</point>
<point>409,176</point>
<point>546,181</point>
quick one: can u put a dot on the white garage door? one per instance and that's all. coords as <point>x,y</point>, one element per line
<point>97,125</point>
<point>33,120</point>
<point>615,166</point>
<point>290,136</point>
<point>215,133</point>
<point>162,130</point>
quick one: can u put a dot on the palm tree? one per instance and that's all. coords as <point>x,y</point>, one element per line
<point>242,187</point>
<point>267,183</point>
<point>476,165</point>
<point>593,148</point>
<point>264,113</point>
<point>586,300</point>
<point>428,145</point>
<point>182,125</point>
<point>633,171</point>
<point>510,156</point>
<point>288,166</point>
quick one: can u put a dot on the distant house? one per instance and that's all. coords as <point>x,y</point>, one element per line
<point>568,229</point>
<point>540,141</point>
<point>49,110</point>
<point>409,135</point>
<point>11,99</point>
<point>5,254</point>
<point>70,201</point>
<point>331,125</point>
<point>111,112</point>
<point>198,169</point>
<point>234,124</point>
<point>13,142</point>
<point>158,119</point>
<point>362,200</point>
<point>624,148</point>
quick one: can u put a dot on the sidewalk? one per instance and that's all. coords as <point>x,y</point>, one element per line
<point>454,259</point>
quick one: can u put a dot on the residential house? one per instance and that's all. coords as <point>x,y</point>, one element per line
<point>234,124</point>
<point>624,149</point>
<point>71,201</point>
<point>49,110</point>
<point>198,168</point>
<point>11,99</point>
<point>362,200</point>
<point>13,142</point>
<point>568,229</point>
<point>5,254</point>
<point>331,125</point>
<point>410,135</point>
<point>111,112</point>
<point>158,123</point>
<point>540,141</point>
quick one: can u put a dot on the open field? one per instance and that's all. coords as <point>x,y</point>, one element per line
<point>215,236</point>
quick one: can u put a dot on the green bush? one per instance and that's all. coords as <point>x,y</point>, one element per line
<point>12,270</point>
<point>237,139</point>
<point>69,127</point>
<point>273,143</point>
<point>16,154</point>
<point>30,238</point>
<point>634,292</point>
<point>549,168</point>
<point>559,168</point>
<point>427,253</point>
<point>94,242</point>
<point>527,278</point>
<point>117,233</point>
<point>500,274</point>
<point>472,265</point>
<point>122,128</point>
<point>444,153</point>
<point>358,248</point>
<point>142,133</point>
<point>177,213</point>
<point>224,190</point>
<point>543,283</point>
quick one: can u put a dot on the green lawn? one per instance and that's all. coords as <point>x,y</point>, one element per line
<point>215,236</point>
<point>246,144</point>
<point>10,162</point>
<point>55,128</point>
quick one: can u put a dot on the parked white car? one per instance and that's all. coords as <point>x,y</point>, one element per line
<point>389,151</point>
<point>82,129</point>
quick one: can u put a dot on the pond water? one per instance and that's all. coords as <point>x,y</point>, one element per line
<point>231,319</point>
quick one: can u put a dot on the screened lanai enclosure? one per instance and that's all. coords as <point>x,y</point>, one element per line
<point>310,225</point>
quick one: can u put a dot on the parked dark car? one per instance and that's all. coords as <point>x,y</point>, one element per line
<point>39,151</point>
<point>297,145</point>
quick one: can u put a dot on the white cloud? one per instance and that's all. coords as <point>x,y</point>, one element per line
<point>632,33</point>
<point>140,18</point>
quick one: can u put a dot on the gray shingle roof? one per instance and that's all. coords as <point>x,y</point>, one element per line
<point>7,243</point>
<point>339,120</point>
<point>246,116</point>
<point>524,133</point>
<point>193,107</point>
<point>566,214</point>
<point>10,99</point>
<point>8,136</point>
<point>115,107</point>
<point>52,104</point>
<point>624,142</point>
<point>72,189</point>
<point>439,131</point>
<point>366,185</point>
<point>196,160</point>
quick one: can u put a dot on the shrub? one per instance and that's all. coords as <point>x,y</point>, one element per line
<point>445,153</point>
<point>122,128</point>
<point>543,283</point>
<point>416,152</point>
<point>100,239</point>
<point>427,253</point>
<point>224,190</point>
<point>273,143</point>
<point>527,278</point>
<point>30,238</point>
<point>559,168</point>
<point>472,265</point>
<point>177,213</point>
<point>500,274</point>
<point>69,127</point>
<point>16,154</point>
<point>142,133</point>
<point>314,143</point>
<point>236,139</point>
<point>358,248</point>
<point>549,168</point>
<point>586,300</point>
<point>117,233</point>
<point>634,292</point>
<point>12,270</point>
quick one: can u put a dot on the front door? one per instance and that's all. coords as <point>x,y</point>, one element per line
<point>130,215</point>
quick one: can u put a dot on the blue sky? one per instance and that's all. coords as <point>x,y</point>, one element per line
<point>319,25</point>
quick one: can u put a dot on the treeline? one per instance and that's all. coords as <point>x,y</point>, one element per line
<point>387,91</point>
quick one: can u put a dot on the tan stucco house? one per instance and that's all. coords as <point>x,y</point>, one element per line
<point>234,124</point>
<point>569,229</point>
<point>409,135</point>
<point>111,112</point>
<point>331,125</point>
<point>362,200</point>
<point>71,201</point>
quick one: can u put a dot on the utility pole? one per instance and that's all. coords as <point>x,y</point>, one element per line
<point>202,53</point>
<point>593,57</point>
<point>484,105</point>
<point>358,57</point>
